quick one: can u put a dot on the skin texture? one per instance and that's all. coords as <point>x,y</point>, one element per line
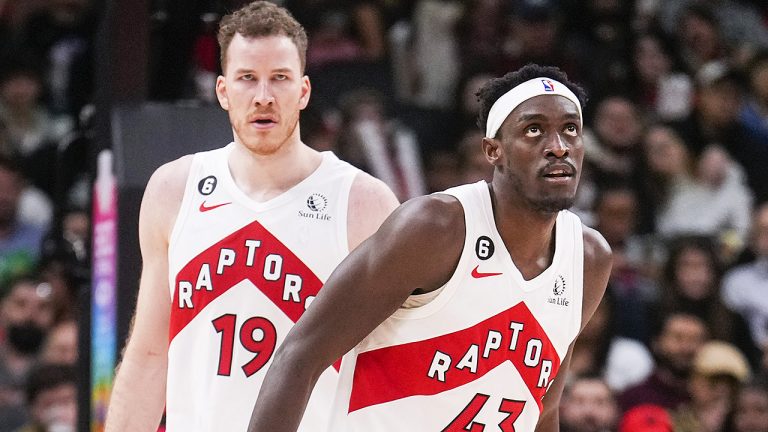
<point>263,90</point>
<point>418,247</point>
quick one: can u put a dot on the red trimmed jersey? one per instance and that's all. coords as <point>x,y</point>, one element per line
<point>241,274</point>
<point>482,353</point>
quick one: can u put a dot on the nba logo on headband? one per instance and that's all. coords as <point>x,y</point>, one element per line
<point>521,93</point>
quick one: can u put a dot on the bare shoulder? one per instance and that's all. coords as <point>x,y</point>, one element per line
<point>598,260</point>
<point>422,237</point>
<point>435,221</point>
<point>370,202</point>
<point>163,194</point>
<point>597,252</point>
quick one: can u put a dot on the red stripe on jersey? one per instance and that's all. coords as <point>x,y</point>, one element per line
<point>240,270</point>
<point>391,373</point>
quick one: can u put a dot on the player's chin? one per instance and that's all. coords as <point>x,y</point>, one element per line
<point>554,203</point>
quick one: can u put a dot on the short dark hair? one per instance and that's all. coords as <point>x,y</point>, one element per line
<point>47,376</point>
<point>259,19</point>
<point>497,87</point>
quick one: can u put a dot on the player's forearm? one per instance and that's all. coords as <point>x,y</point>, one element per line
<point>138,396</point>
<point>287,384</point>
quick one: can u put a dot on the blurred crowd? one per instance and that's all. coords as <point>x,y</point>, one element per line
<point>675,176</point>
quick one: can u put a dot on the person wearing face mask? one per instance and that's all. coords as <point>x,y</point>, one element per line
<point>51,395</point>
<point>25,316</point>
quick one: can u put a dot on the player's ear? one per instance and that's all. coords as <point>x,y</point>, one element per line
<point>221,92</point>
<point>492,149</point>
<point>306,90</point>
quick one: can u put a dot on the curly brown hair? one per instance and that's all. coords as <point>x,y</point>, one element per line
<point>259,19</point>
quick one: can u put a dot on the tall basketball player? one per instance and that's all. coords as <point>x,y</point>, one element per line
<point>236,242</point>
<point>461,311</point>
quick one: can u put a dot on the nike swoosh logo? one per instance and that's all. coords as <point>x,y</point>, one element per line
<point>204,208</point>
<point>477,275</point>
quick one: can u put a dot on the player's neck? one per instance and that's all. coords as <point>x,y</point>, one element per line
<point>263,177</point>
<point>528,235</point>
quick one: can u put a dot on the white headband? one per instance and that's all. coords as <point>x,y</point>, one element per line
<point>521,93</point>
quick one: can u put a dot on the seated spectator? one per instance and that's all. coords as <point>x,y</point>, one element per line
<point>676,339</point>
<point>588,405</point>
<point>661,89</point>
<point>380,144</point>
<point>745,286</point>
<point>619,361</point>
<point>29,124</point>
<point>635,261</point>
<point>719,186</point>
<point>474,165</point>
<point>751,411</point>
<point>52,399</point>
<point>20,242</point>
<point>691,283</point>
<point>718,371</point>
<point>25,316</point>
<point>60,345</point>
<point>754,110</point>
<point>646,418</point>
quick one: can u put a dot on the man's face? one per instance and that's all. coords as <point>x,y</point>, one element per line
<point>541,152</point>
<point>617,124</point>
<point>57,405</point>
<point>751,414</point>
<point>263,90</point>
<point>679,341</point>
<point>25,304</point>
<point>589,407</point>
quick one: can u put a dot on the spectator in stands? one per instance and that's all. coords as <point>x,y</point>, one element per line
<point>718,186</point>
<point>751,411</point>
<point>52,399</point>
<point>29,124</point>
<point>588,405</point>
<point>61,36</point>
<point>719,368</point>
<point>715,120</point>
<point>754,111</point>
<point>741,24</point>
<point>745,286</point>
<point>691,282</point>
<point>699,37</point>
<point>341,31</point>
<point>635,261</point>
<point>621,362</point>
<point>60,345</point>
<point>381,145</point>
<point>474,165</point>
<point>677,336</point>
<point>658,85</point>
<point>25,316</point>
<point>20,241</point>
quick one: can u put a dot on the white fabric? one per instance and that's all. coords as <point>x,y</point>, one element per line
<point>421,367</point>
<point>521,93</point>
<point>255,262</point>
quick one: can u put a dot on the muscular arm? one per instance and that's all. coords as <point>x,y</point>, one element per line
<point>138,396</point>
<point>597,268</point>
<point>370,202</point>
<point>418,247</point>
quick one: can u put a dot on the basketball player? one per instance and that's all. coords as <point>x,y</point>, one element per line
<point>236,243</point>
<point>461,311</point>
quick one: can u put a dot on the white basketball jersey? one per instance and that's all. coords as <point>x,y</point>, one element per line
<point>241,274</point>
<point>482,353</point>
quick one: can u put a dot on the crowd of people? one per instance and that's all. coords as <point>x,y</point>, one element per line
<point>676,137</point>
